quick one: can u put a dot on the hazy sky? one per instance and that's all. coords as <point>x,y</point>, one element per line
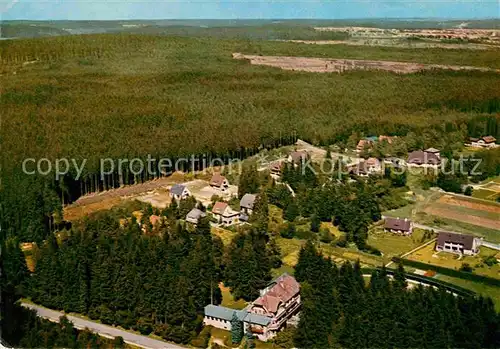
<point>222,9</point>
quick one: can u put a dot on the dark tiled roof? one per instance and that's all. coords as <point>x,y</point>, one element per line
<point>402,224</point>
<point>421,157</point>
<point>177,189</point>
<point>466,240</point>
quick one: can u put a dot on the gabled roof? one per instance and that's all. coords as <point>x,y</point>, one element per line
<point>397,224</point>
<point>223,313</point>
<point>466,240</point>
<point>421,157</point>
<point>177,189</point>
<point>219,207</point>
<point>284,288</point>
<point>217,180</point>
<point>489,139</point>
<point>364,142</point>
<point>195,213</point>
<point>298,156</point>
<point>248,200</point>
<point>432,150</point>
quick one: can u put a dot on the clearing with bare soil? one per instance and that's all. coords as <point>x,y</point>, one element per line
<point>330,65</point>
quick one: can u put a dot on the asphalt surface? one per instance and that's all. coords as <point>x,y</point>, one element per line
<point>103,330</point>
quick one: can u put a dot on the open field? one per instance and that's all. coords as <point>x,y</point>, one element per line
<point>468,210</point>
<point>453,261</point>
<point>332,65</point>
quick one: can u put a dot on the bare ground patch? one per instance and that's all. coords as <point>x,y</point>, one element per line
<point>459,216</point>
<point>454,201</point>
<point>331,65</point>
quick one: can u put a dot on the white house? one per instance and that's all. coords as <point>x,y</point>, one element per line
<point>179,192</point>
<point>224,214</point>
<point>484,142</point>
<point>219,182</point>
<point>195,215</point>
<point>246,206</point>
<point>457,243</point>
<point>397,225</point>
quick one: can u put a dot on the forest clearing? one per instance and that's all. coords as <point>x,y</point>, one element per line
<point>330,65</point>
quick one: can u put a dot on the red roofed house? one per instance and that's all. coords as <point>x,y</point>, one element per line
<point>280,301</point>
<point>219,182</point>
<point>484,142</point>
<point>364,144</point>
<point>224,214</point>
<point>388,139</point>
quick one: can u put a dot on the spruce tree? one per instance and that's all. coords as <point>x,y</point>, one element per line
<point>236,329</point>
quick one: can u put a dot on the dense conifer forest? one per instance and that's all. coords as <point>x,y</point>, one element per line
<point>340,310</point>
<point>88,97</point>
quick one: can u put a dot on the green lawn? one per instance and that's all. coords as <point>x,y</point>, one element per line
<point>393,244</point>
<point>485,290</point>
<point>453,261</point>
<point>485,194</point>
<point>228,299</point>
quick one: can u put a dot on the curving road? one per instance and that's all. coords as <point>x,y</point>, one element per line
<point>103,330</point>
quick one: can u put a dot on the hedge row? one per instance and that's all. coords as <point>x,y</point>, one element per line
<point>450,272</point>
<point>430,281</point>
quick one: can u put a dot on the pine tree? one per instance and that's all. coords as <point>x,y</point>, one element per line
<point>236,329</point>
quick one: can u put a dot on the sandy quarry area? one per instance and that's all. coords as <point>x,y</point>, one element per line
<point>331,65</point>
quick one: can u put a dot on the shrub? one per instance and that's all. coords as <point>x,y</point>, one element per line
<point>325,236</point>
<point>490,261</point>
<point>288,232</point>
<point>202,340</point>
<point>466,267</point>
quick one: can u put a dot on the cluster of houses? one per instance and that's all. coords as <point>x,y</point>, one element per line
<point>221,211</point>
<point>277,306</point>
<point>369,142</point>
<point>483,142</point>
<point>462,244</point>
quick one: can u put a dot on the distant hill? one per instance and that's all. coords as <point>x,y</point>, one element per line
<point>249,29</point>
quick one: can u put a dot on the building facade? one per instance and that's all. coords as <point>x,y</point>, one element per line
<point>461,244</point>
<point>277,305</point>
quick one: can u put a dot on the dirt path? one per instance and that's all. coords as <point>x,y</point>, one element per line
<point>107,199</point>
<point>332,65</point>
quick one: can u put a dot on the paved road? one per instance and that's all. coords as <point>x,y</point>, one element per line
<point>104,330</point>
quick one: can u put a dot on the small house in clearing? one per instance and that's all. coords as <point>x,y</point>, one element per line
<point>179,192</point>
<point>224,214</point>
<point>297,157</point>
<point>219,182</point>
<point>276,168</point>
<point>398,225</point>
<point>195,215</point>
<point>246,206</point>
<point>457,243</point>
